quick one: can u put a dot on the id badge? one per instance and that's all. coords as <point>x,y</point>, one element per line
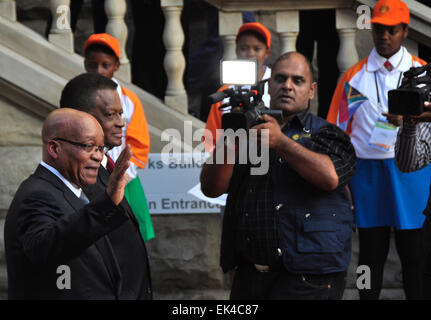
<point>384,135</point>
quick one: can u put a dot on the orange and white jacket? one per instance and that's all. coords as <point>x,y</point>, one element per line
<point>362,76</point>
<point>135,132</point>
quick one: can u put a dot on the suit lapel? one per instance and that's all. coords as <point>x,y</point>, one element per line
<point>103,176</point>
<point>103,245</point>
<point>70,197</point>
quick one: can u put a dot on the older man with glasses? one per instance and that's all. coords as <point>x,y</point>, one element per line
<point>55,233</point>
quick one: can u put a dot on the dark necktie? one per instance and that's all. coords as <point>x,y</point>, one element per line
<point>110,164</point>
<point>388,66</point>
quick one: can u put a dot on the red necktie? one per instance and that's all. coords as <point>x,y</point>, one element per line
<point>388,66</point>
<point>110,164</point>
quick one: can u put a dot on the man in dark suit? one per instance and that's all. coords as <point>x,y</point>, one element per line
<point>55,238</point>
<point>97,95</point>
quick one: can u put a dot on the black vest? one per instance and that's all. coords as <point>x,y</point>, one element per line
<point>314,227</point>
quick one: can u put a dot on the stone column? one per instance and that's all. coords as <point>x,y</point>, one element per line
<point>174,62</point>
<point>116,27</point>
<point>229,23</point>
<point>61,34</point>
<point>287,26</point>
<point>346,27</point>
<point>8,9</point>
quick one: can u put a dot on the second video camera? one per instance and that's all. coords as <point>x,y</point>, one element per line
<point>410,99</point>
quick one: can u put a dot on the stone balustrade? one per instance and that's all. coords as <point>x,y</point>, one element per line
<point>115,11</point>
<point>281,16</point>
<point>174,63</point>
<point>346,27</point>
<point>61,33</point>
<point>8,9</point>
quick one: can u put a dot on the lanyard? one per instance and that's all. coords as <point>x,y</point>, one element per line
<point>377,86</point>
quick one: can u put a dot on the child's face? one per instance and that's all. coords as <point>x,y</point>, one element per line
<point>250,47</point>
<point>101,63</point>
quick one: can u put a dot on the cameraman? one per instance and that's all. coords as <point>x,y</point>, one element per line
<point>287,233</point>
<point>413,152</point>
<point>253,41</point>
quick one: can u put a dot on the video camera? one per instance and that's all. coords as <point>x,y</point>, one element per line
<point>245,96</point>
<point>410,100</point>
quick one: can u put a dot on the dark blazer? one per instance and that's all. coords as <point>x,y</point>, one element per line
<point>48,226</point>
<point>129,247</point>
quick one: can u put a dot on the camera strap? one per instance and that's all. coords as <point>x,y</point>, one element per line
<point>377,87</point>
<point>384,134</point>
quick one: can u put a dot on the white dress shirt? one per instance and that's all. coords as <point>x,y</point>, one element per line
<point>75,189</point>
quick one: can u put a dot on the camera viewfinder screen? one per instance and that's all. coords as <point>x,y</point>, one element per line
<point>239,72</point>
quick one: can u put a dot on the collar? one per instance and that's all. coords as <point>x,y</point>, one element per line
<point>402,61</point>
<point>104,161</point>
<point>77,191</point>
<point>267,73</point>
<point>119,91</point>
<point>298,119</point>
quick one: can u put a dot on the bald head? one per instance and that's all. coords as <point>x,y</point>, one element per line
<point>295,55</point>
<point>66,133</point>
<point>291,85</point>
<point>66,122</point>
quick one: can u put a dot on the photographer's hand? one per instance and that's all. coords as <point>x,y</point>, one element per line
<point>394,119</point>
<point>275,134</point>
<point>424,117</point>
<point>314,167</point>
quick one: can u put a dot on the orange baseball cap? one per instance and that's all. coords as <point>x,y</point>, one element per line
<point>390,13</point>
<point>105,39</point>
<point>259,28</point>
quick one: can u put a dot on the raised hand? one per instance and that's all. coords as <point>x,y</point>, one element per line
<point>119,178</point>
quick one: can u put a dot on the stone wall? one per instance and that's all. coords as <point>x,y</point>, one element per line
<point>20,153</point>
<point>184,257</point>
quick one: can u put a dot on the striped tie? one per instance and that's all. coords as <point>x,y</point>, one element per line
<point>388,66</point>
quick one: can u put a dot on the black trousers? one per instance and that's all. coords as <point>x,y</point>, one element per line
<point>373,252</point>
<point>427,262</point>
<point>251,284</point>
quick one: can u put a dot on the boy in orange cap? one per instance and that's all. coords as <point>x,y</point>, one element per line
<point>253,41</point>
<point>381,193</point>
<point>102,56</point>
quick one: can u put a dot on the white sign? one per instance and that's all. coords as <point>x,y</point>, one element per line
<point>173,186</point>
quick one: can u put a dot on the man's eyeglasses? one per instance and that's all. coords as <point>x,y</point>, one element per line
<point>87,147</point>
